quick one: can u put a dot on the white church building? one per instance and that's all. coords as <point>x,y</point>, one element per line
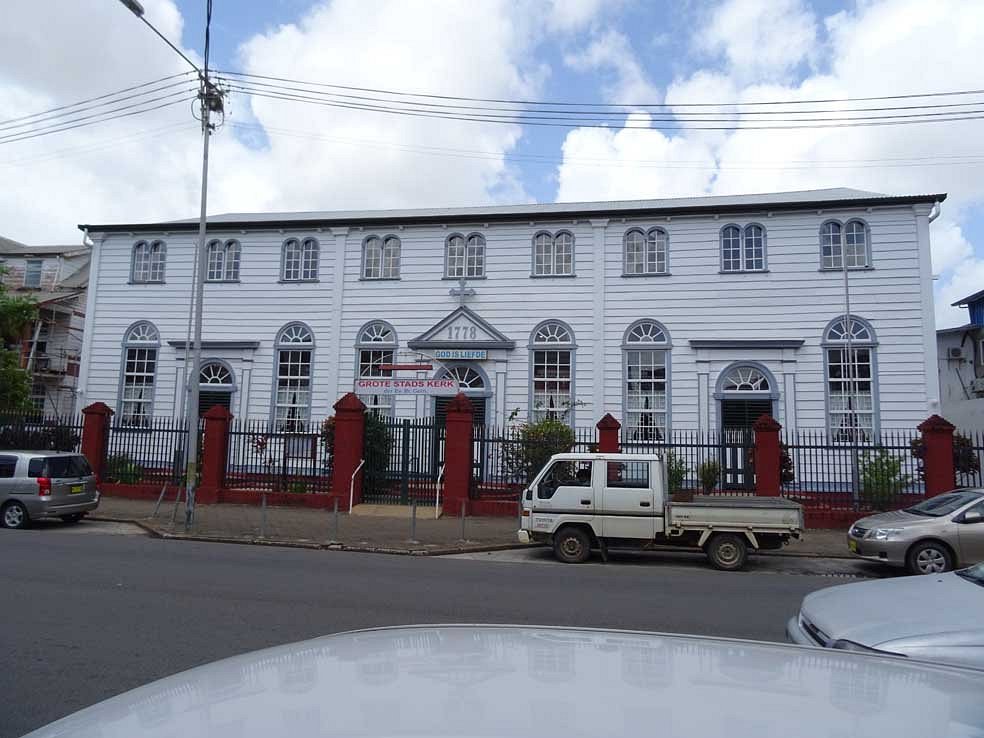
<point>690,313</point>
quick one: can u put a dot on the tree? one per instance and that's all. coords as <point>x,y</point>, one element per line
<point>16,313</point>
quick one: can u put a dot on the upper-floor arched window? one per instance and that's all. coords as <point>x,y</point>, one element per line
<point>141,344</point>
<point>464,256</point>
<point>553,254</point>
<point>300,260</point>
<point>743,249</point>
<point>847,242</point>
<point>147,262</point>
<point>222,260</point>
<point>381,257</point>
<point>645,251</point>
<point>552,371</point>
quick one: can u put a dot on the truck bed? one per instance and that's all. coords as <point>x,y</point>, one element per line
<point>726,511</point>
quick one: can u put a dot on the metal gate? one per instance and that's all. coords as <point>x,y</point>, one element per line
<point>736,459</point>
<point>403,459</point>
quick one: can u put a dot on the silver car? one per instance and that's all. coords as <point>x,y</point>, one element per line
<point>938,618</point>
<point>35,484</point>
<point>939,534</point>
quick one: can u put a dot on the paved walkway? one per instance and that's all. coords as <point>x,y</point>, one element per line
<point>316,528</point>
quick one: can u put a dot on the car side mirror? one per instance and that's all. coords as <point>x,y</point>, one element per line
<point>972,516</point>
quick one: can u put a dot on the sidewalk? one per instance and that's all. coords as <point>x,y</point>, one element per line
<point>315,529</point>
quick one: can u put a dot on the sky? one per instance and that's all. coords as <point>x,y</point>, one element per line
<point>281,155</point>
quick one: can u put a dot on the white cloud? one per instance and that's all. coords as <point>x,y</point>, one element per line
<point>610,53</point>
<point>966,279</point>
<point>759,38</point>
<point>573,15</point>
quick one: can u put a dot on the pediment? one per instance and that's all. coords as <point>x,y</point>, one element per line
<point>462,328</point>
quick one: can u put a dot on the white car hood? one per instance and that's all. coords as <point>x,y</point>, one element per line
<point>876,613</point>
<point>509,681</point>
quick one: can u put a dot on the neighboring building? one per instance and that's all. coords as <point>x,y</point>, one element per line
<point>691,313</point>
<point>961,366</point>
<point>56,278</point>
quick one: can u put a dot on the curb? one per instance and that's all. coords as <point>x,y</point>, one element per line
<point>394,551</point>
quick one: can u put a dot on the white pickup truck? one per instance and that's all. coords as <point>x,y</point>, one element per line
<point>583,501</point>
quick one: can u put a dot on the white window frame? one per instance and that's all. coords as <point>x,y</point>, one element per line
<point>864,362</point>
<point>652,257</point>
<point>646,344</point>
<point>381,257</point>
<point>835,247</point>
<point>751,256</point>
<point>222,260</point>
<point>138,374</point>
<point>33,284</point>
<point>553,254</point>
<point>289,414</point>
<point>147,262</point>
<point>376,343</point>
<point>464,256</point>
<point>299,260</point>
<point>552,355</point>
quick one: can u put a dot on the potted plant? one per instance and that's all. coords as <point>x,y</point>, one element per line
<point>709,473</point>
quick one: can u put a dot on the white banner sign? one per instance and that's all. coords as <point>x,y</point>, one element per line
<point>387,386</point>
<point>473,354</point>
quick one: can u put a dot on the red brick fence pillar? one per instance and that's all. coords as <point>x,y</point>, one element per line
<point>95,436</point>
<point>350,431</point>
<point>937,436</point>
<point>215,453</point>
<point>768,456</point>
<point>458,454</point>
<point>608,428</point>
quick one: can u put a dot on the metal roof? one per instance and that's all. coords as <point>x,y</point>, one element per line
<point>969,299</point>
<point>10,247</point>
<point>826,198</point>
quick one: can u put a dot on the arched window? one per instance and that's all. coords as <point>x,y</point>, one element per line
<point>215,386</point>
<point>645,252</point>
<point>300,260</point>
<point>743,249</point>
<point>222,261</point>
<point>553,255</point>
<point>294,354</point>
<point>376,346</point>
<point>745,379</point>
<point>645,356</point>
<point>851,379</point>
<point>469,379</point>
<point>381,258</point>
<point>465,257</point>
<point>552,372</point>
<point>844,242</point>
<point>147,262</point>
<point>140,346</point>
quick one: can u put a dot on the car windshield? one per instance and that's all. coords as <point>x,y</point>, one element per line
<point>937,507</point>
<point>59,467</point>
<point>974,574</point>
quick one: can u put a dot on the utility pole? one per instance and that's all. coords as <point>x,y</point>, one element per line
<point>210,101</point>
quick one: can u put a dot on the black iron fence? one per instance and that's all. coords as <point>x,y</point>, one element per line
<point>704,461</point>
<point>968,457</point>
<point>880,472</point>
<point>403,460</point>
<point>263,459</point>
<point>39,432</point>
<point>152,451</point>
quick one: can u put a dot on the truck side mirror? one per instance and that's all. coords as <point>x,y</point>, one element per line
<point>529,493</point>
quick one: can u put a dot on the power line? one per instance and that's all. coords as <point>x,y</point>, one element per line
<point>584,123</point>
<point>32,135</point>
<point>94,99</point>
<point>84,108</point>
<point>594,104</point>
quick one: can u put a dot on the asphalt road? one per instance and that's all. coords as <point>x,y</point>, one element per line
<point>92,610</point>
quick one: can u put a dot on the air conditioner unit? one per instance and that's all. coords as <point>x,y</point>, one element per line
<point>954,352</point>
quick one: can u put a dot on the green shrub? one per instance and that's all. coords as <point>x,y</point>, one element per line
<point>676,471</point>
<point>297,487</point>
<point>709,474</point>
<point>532,445</point>
<point>965,460</point>
<point>881,479</point>
<point>123,469</point>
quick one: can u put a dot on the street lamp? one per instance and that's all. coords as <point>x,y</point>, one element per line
<point>210,101</point>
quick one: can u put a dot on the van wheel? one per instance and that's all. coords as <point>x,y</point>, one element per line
<point>15,516</point>
<point>572,545</point>
<point>727,551</point>
<point>929,557</point>
<point>72,519</point>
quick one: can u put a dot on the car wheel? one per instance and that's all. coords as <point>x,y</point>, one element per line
<point>727,551</point>
<point>930,557</point>
<point>572,545</point>
<point>72,519</point>
<point>15,516</point>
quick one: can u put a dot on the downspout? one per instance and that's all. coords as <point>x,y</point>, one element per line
<point>935,212</point>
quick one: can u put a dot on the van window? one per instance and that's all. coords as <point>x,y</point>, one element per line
<point>8,465</point>
<point>59,467</point>
<point>564,474</point>
<point>633,474</point>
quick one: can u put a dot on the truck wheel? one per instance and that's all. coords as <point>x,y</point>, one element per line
<point>572,545</point>
<point>727,551</point>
